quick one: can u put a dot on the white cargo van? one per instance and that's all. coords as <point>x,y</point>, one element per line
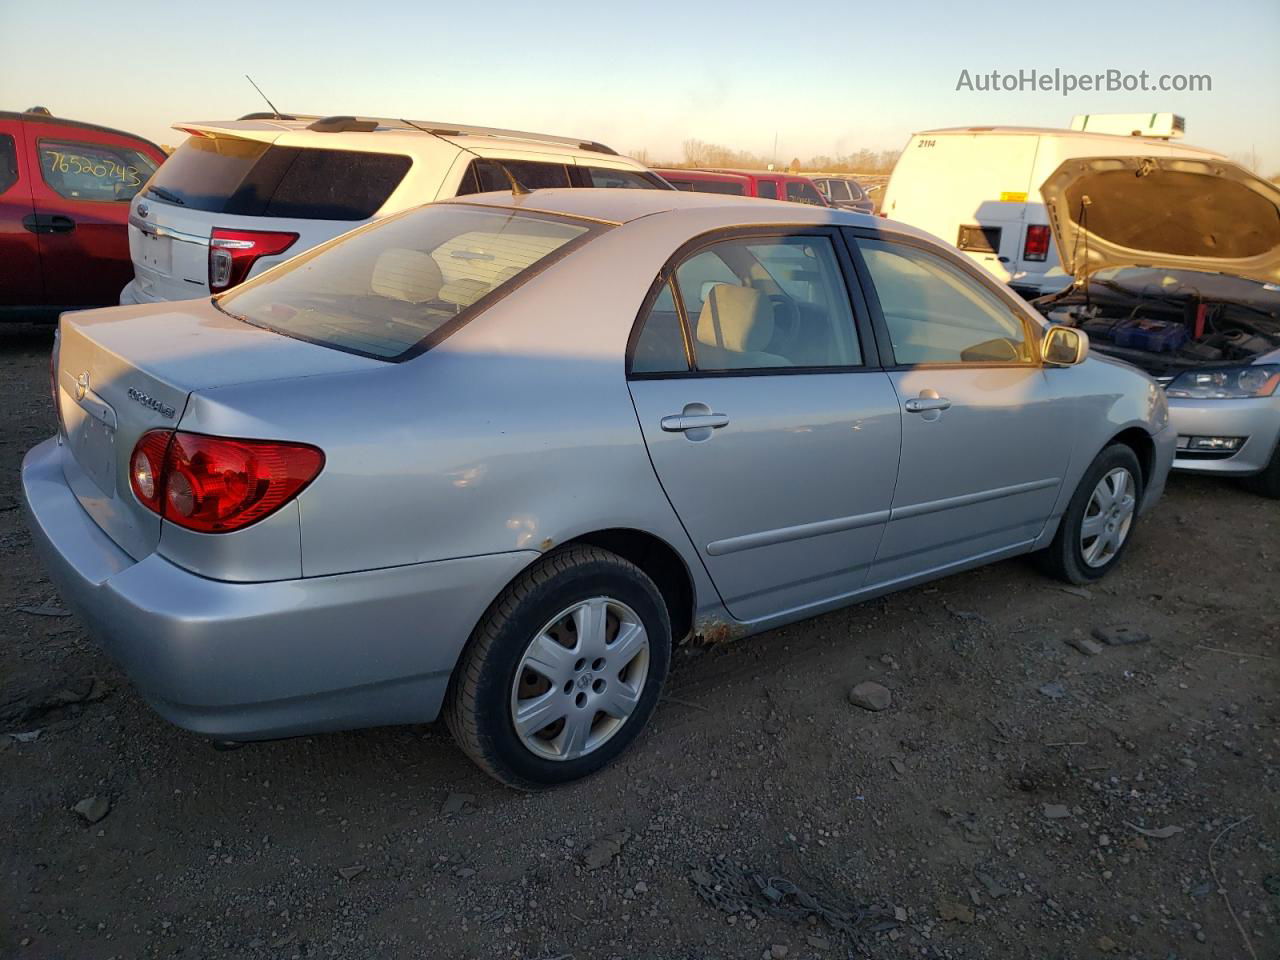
<point>979,188</point>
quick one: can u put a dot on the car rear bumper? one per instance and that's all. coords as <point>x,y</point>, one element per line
<point>246,661</point>
<point>1257,420</point>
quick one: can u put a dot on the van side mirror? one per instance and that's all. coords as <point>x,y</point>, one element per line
<point>1064,346</point>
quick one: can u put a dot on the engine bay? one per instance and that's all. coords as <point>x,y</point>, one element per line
<point>1166,322</point>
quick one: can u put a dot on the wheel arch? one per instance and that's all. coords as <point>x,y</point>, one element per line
<point>1144,448</point>
<point>660,561</point>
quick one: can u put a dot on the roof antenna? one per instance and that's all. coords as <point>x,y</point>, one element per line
<point>274,111</point>
<point>518,189</point>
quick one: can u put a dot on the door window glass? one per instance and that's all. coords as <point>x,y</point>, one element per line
<point>755,303</point>
<point>767,189</point>
<point>486,176</point>
<point>660,346</point>
<point>93,171</point>
<point>938,314</point>
<point>837,190</point>
<point>621,179</point>
<point>799,191</point>
<point>8,162</point>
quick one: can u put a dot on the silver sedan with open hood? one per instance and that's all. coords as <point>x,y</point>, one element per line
<point>491,458</point>
<point>1177,270</point>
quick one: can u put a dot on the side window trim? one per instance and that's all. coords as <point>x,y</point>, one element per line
<point>883,341</point>
<point>859,307</point>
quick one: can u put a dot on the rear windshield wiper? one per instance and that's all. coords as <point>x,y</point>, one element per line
<point>167,196</point>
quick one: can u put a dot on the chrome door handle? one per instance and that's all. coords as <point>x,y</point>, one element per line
<point>925,404</point>
<point>682,422</point>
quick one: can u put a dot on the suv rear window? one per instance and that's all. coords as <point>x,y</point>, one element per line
<point>403,284</point>
<point>254,179</point>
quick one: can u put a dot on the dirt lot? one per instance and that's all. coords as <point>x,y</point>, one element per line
<point>1019,798</point>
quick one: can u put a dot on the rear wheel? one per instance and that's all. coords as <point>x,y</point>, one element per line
<point>1267,483</point>
<point>564,670</point>
<point>1097,524</point>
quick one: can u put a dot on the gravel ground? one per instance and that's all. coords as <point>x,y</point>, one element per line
<point>1024,794</point>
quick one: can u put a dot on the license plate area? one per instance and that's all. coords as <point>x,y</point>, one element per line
<point>91,437</point>
<point>155,252</point>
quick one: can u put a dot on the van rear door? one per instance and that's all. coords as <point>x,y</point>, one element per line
<point>969,189</point>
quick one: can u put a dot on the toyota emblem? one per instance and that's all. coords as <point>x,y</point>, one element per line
<point>143,209</point>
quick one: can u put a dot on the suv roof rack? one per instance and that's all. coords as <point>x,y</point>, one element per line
<point>342,124</point>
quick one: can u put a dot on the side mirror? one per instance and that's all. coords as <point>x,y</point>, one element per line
<point>1064,346</point>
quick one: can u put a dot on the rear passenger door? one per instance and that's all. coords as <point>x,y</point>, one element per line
<point>771,427</point>
<point>20,284</point>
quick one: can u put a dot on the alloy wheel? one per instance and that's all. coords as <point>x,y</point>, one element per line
<point>580,679</point>
<point>1108,517</point>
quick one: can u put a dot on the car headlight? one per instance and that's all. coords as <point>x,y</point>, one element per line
<point>1260,380</point>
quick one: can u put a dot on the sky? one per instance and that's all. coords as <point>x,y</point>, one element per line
<point>822,78</point>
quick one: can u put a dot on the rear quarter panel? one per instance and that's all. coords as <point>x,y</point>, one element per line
<point>516,433</point>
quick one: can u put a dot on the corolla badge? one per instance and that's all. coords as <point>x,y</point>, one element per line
<point>148,401</point>
<point>143,210</point>
<point>82,385</point>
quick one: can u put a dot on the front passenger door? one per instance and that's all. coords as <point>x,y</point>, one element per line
<point>985,445</point>
<point>768,422</point>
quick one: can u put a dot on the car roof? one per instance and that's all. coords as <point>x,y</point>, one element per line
<point>465,136</point>
<point>50,118</point>
<point>1055,132</point>
<point>617,207</point>
<point>718,176</point>
<point>759,173</point>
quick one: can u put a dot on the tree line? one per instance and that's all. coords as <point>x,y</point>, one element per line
<point>699,153</point>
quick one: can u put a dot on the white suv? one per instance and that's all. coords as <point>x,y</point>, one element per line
<point>240,196</point>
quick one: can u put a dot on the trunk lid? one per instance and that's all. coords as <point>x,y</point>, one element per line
<point>1174,213</point>
<point>122,372</point>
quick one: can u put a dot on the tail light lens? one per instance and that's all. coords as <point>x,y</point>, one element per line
<point>217,484</point>
<point>1036,245</point>
<point>232,253</point>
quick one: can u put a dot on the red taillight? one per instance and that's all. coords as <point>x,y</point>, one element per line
<point>1036,246</point>
<point>232,253</point>
<point>215,484</point>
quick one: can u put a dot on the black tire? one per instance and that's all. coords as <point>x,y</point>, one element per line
<point>1064,557</point>
<point>1266,483</point>
<point>477,706</point>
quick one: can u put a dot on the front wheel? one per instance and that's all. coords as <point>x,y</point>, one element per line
<point>563,671</point>
<point>1099,520</point>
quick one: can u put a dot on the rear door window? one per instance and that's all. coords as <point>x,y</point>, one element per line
<point>93,171</point>
<point>8,162</point>
<point>801,191</point>
<point>486,176</point>
<point>767,189</point>
<point>719,186</point>
<point>255,179</point>
<point>838,190</point>
<point>621,179</point>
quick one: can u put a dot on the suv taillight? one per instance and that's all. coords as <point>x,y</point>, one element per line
<point>232,253</point>
<point>1036,245</point>
<point>217,484</point>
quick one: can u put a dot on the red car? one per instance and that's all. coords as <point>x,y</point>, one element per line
<point>747,183</point>
<point>65,188</point>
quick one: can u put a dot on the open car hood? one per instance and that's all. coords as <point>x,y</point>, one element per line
<point>1170,212</point>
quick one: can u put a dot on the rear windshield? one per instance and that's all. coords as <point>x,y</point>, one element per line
<point>394,289</point>
<point>254,179</point>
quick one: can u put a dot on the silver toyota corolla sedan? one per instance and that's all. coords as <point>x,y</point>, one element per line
<point>490,459</point>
